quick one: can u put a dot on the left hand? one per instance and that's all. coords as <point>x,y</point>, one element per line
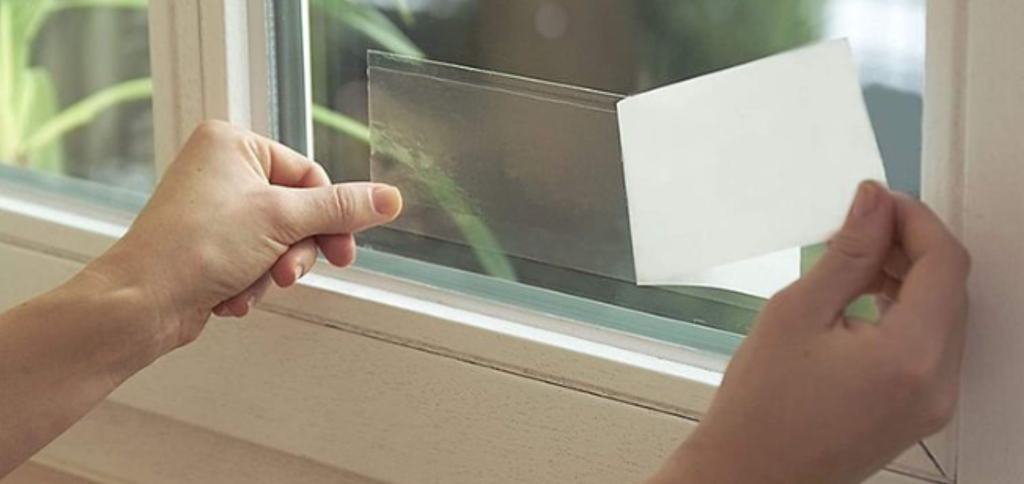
<point>234,213</point>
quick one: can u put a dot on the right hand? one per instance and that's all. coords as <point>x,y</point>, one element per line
<point>813,397</point>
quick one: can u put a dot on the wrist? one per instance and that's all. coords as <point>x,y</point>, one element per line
<point>705,460</point>
<point>114,298</point>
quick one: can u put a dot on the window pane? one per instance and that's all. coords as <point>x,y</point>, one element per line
<point>76,99</point>
<point>616,46</point>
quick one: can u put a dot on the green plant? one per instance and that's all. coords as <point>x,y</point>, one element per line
<point>372,24</point>
<point>688,38</point>
<point>31,122</point>
<point>32,125</point>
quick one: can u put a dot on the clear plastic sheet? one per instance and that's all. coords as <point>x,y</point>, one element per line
<point>504,164</point>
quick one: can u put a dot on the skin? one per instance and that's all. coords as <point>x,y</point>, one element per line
<point>811,397</point>
<point>815,397</point>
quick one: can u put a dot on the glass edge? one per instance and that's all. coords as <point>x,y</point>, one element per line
<point>92,193</point>
<point>573,308</point>
<point>286,41</point>
<point>486,79</point>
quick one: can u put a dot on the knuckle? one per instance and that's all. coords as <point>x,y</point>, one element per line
<point>190,331</point>
<point>853,247</point>
<point>784,303</point>
<point>279,210</point>
<point>212,129</point>
<point>913,379</point>
<point>207,260</point>
<point>344,204</point>
<point>275,204</point>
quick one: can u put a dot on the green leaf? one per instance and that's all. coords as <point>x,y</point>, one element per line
<point>474,229</point>
<point>10,128</point>
<point>478,235</point>
<point>403,9</point>
<point>64,4</point>
<point>40,106</point>
<point>370,22</point>
<point>84,111</point>
<point>341,123</point>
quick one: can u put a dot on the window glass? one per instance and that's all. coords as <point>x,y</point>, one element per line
<point>75,90</point>
<point>615,46</point>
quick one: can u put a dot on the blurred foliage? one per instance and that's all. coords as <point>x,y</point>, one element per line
<point>677,39</point>
<point>370,23</point>
<point>673,39</point>
<point>687,38</point>
<point>31,121</point>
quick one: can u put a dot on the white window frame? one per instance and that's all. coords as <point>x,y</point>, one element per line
<point>579,399</point>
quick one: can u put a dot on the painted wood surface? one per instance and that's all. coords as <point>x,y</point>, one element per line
<point>992,416</point>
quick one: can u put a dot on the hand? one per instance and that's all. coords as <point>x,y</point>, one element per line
<point>814,397</point>
<point>234,213</point>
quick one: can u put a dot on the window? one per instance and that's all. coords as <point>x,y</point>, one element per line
<point>458,365</point>
<point>614,46</point>
<point>75,101</point>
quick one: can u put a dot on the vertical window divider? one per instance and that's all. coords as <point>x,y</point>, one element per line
<point>210,60</point>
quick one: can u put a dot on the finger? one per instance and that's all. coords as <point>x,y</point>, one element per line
<point>886,290</point>
<point>286,167</point>
<point>221,311</point>
<point>897,263</point>
<point>338,209</point>
<point>854,257</point>
<point>883,304</point>
<point>890,289</point>
<point>295,263</point>
<point>340,250</point>
<point>241,304</point>
<point>932,301</point>
<point>885,285</point>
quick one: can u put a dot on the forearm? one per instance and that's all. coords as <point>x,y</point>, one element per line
<point>63,352</point>
<point>698,462</point>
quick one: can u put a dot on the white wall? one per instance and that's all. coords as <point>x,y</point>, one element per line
<point>992,443</point>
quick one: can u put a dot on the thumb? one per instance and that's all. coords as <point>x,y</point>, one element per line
<point>855,256</point>
<point>342,209</point>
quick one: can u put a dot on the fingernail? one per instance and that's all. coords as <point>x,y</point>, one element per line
<point>250,302</point>
<point>387,200</point>
<point>867,199</point>
<point>299,272</point>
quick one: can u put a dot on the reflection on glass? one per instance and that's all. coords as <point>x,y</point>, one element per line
<point>75,101</point>
<point>619,46</point>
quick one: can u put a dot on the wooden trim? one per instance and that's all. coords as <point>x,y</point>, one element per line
<point>943,163</point>
<point>175,47</point>
<point>210,60</point>
<point>165,451</point>
<point>33,473</point>
<point>991,418</point>
<point>396,367</point>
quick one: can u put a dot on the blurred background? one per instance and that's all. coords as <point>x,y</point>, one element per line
<point>76,96</point>
<point>628,46</point>
<point>618,46</point>
<point>73,52</point>
<point>75,93</point>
